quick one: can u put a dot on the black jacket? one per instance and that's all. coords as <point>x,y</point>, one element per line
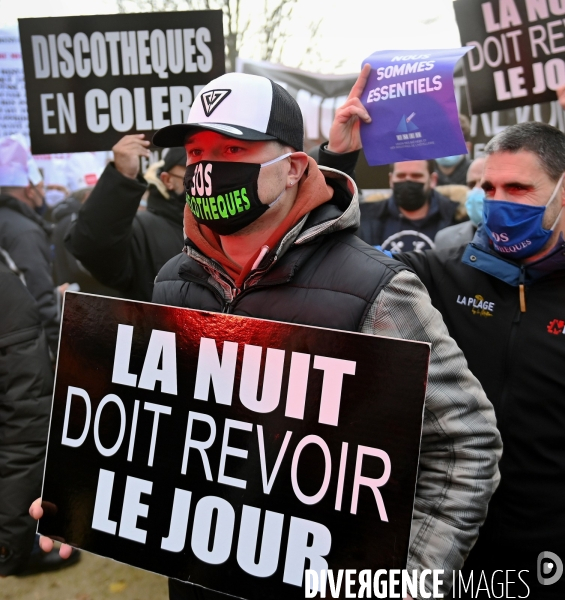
<point>123,248</point>
<point>302,287</point>
<point>26,384</point>
<point>26,238</point>
<point>66,268</point>
<point>519,358</point>
<point>384,225</point>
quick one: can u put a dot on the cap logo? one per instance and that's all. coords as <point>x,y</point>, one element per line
<point>212,99</point>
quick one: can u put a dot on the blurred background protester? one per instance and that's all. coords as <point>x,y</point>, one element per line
<point>24,234</point>
<point>414,213</point>
<point>409,216</point>
<point>463,233</point>
<point>64,174</point>
<point>65,266</point>
<point>26,384</point>
<point>121,246</point>
<point>452,170</point>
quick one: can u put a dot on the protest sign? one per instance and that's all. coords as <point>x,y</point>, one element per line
<point>231,452</point>
<point>92,79</point>
<point>410,98</point>
<point>517,48</point>
<point>13,107</point>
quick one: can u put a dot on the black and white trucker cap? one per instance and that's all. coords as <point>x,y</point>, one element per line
<point>241,106</point>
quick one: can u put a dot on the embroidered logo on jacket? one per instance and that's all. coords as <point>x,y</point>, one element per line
<point>556,327</point>
<point>479,306</point>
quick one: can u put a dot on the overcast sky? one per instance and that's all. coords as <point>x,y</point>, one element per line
<point>351,29</point>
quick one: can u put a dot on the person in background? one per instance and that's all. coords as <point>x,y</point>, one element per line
<point>452,170</point>
<point>26,385</point>
<point>65,266</point>
<point>121,247</point>
<point>463,233</point>
<point>414,213</point>
<point>24,234</point>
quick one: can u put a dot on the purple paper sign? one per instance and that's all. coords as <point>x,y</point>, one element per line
<point>411,100</point>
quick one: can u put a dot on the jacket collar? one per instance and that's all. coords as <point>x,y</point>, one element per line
<point>171,208</point>
<point>18,206</point>
<point>479,255</point>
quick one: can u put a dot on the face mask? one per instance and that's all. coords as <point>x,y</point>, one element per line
<point>409,195</point>
<point>449,161</point>
<point>474,205</point>
<point>224,196</point>
<point>53,197</point>
<point>516,229</point>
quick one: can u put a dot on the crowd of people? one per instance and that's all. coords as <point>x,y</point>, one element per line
<point>468,256</point>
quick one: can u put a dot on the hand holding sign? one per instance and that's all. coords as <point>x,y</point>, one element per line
<point>127,152</point>
<point>410,94</point>
<point>45,543</point>
<point>344,133</point>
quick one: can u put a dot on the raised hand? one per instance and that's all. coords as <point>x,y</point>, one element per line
<point>127,152</point>
<point>344,133</point>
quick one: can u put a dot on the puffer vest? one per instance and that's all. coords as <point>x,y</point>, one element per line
<point>331,282</point>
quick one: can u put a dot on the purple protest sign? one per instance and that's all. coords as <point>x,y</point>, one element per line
<point>411,100</point>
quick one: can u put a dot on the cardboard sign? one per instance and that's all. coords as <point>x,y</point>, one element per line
<point>92,79</point>
<point>517,56</point>
<point>13,107</point>
<point>231,452</point>
<point>411,100</point>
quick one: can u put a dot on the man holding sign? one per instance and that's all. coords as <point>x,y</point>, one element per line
<point>270,235</point>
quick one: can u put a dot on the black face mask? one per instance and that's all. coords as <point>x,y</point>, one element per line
<point>409,195</point>
<point>223,195</point>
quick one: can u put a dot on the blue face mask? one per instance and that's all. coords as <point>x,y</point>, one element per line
<point>474,205</point>
<point>515,229</point>
<point>449,161</point>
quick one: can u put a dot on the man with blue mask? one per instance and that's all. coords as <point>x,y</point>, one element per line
<point>502,297</point>
<point>269,234</point>
<point>463,233</point>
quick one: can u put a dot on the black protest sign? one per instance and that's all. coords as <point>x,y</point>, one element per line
<point>92,79</point>
<point>231,452</point>
<point>517,59</point>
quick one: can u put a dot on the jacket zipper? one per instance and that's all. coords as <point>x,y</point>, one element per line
<point>229,305</point>
<point>522,289</point>
<point>510,348</point>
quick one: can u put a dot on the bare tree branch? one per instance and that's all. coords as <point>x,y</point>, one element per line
<point>240,22</point>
